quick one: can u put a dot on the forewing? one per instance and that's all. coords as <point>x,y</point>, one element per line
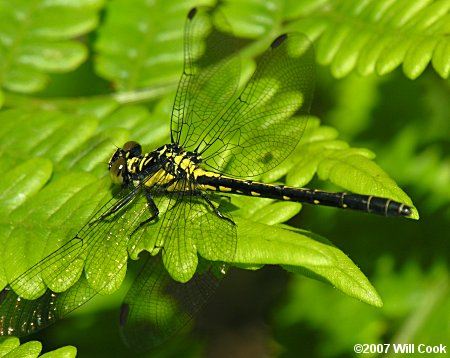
<point>20,317</point>
<point>210,76</point>
<point>259,129</point>
<point>255,130</point>
<point>94,261</point>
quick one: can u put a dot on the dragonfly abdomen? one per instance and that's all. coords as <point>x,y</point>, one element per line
<point>370,204</point>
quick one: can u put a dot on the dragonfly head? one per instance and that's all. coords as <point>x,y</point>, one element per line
<point>118,165</point>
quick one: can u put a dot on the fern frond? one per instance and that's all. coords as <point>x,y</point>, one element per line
<point>301,252</point>
<point>378,36</point>
<point>143,48</point>
<point>35,40</point>
<point>12,348</point>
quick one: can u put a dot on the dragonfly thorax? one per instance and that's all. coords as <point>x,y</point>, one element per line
<point>129,164</point>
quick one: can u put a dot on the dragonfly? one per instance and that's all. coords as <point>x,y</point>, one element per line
<point>171,199</point>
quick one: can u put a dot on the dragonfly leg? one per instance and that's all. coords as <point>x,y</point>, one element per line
<point>152,208</point>
<point>116,207</point>
<point>216,210</point>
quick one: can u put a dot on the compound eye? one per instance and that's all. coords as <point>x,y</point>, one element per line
<point>117,170</point>
<point>133,149</point>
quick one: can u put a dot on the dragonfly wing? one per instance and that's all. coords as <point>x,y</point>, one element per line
<point>187,227</point>
<point>174,284</point>
<point>259,128</point>
<point>210,76</point>
<point>94,261</point>
<point>248,132</point>
<point>156,307</point>
<point>20,317</point>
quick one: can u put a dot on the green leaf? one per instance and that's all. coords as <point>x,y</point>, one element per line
<point>11,347</point>
<point>22,182</point>
<point>36,213</point>
<point>378,36</point>
<point>63,352</point>
<point>36,38</point>
<point>352,169</point>
<point>439,61</point>
<point>304,253</point>
<point>300,164</point>
<point>38,227</point>
<point>8,344</point>
<point>263,21</point>
<point>152,37</point>
<point>352,114</point>
<point>277,212</point>
<point>27,350</point>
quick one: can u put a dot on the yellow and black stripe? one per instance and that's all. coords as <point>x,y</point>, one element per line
<point>172,169</point>
<point>371,204</point>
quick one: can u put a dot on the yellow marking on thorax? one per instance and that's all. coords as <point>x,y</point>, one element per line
<point>144,162</point>
<point>130,163</point>
<point>180,185</point>
<point>161,177</point>
<point>163,151</point>
<point>254,193</point>
<point>177,159</point>
<point>185,164</point>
